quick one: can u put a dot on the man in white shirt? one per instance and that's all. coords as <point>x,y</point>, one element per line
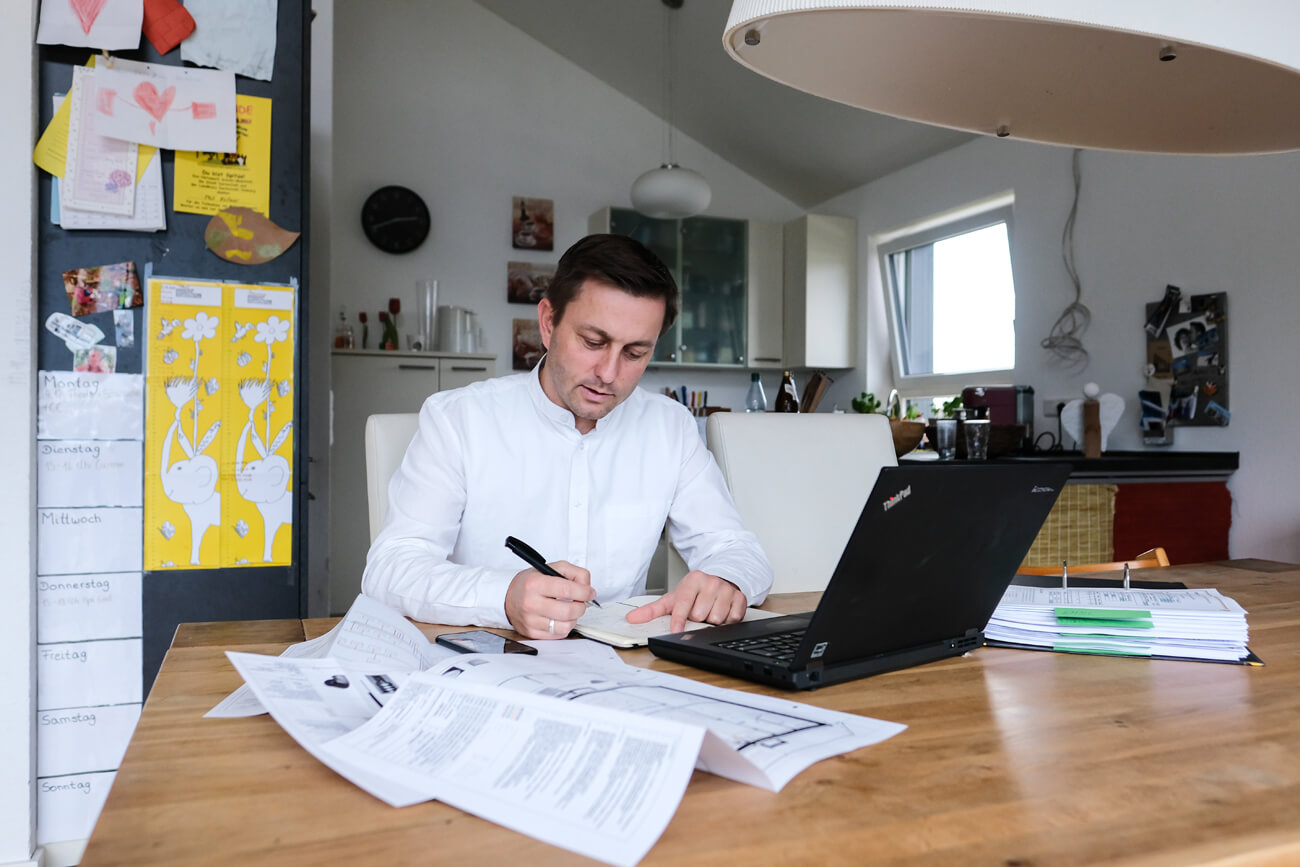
<point>577,461</point>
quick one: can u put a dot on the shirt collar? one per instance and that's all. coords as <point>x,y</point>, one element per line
<point>561,416</point>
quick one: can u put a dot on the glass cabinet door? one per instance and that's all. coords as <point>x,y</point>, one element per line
<point>707,256</point>
<point>713,291</point>
<point>663,237</point>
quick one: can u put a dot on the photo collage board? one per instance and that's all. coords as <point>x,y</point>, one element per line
<point>1187,364</point>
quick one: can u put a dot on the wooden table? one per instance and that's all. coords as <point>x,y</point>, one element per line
<point>1011,758</point>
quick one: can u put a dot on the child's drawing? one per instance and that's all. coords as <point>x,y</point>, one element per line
<point>264,480</point>
<point>192,480</point>
<point>167,106</point>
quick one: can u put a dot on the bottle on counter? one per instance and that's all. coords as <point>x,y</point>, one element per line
<point>756,400</point>
<point>365,330</point>
<point>343,338</point>
<point>787,399</point>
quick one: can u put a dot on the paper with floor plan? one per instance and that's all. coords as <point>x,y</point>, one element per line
<point>599,782</point>
<point>753,739</point>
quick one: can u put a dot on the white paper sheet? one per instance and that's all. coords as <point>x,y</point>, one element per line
<point>84,607</point>
<point>100,171</point>
<point>755,739</point>
<point>238,35</point>
<point>295,693</point>
<point>608,623</point>
<point>371,637</point>
<point>597,782</point>
<point>72,740</point>
<point>86,673</point>
<point>67,807</point>
<point>110,24</point>
<point>107,406</point>
<point>87,540</point>
<point>167,106</point>
<point>150,208</point>
<point>89,473</point>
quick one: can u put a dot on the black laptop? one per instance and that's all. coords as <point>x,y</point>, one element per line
<point>932,553</point>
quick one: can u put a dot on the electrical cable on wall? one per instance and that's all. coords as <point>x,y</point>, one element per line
<point>1065,340</point>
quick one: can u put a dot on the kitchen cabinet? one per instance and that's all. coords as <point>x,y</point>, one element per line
<point>820,263</point>
<point>729,274</point>
<point>366,382</point>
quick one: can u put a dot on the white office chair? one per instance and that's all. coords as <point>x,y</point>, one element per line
<point>799,482</point>
<point>387,437</point>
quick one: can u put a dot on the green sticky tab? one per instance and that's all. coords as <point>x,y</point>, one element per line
<point>1098,622</point>
<point>1100,651</point>
<point>1104,613</point>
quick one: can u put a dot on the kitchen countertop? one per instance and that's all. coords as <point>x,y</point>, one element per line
<point>1132,466</point>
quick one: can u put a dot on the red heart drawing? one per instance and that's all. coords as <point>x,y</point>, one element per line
<point>87,11</point>
<point>148,98</point>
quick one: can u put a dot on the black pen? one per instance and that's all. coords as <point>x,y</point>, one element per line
<point>526,553</point>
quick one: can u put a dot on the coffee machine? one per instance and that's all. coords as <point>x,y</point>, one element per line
<point>1006,405</point>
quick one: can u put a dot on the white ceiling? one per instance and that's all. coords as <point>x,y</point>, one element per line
<point>806,148</point>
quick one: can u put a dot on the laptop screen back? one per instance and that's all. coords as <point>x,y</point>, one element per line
<point>932,553</point>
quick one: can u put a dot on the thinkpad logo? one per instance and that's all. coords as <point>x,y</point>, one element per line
<point>897,498</point>
<point>819,649</point>
<point>1041,489</point>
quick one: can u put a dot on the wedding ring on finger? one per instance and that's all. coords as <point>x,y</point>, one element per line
<point>550,627</point>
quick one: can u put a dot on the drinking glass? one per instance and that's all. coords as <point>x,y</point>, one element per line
<point>977,438</point>
<point>945,434</point>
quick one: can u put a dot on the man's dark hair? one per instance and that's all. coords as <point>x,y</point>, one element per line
<point>618,261</point>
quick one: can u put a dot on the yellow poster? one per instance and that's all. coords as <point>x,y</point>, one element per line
<point>218,425</point>
<point>208,182</point>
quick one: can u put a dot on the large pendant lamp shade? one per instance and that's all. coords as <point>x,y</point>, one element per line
<point>1166,76</point>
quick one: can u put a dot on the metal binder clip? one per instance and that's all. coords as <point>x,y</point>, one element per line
<point>1126,576</point>
<point>108,58</point>
<point>1065,576</point>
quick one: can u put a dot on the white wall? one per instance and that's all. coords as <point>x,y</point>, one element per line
<point>1205,224</point>
<point>468,111</point>
<point>18,435</point>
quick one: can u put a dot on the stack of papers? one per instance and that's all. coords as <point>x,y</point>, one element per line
<point>1176,623</point>
<point>571,746</point>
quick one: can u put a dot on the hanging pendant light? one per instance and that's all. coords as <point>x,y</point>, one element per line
<point>1174,76</point>
<point>670,192</point>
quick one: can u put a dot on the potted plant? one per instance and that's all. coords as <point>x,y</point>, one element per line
<point>907,430</point>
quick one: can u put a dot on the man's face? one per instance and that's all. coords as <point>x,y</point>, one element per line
<point>596,354</point>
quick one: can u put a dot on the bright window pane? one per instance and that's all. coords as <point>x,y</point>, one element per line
<point>974,302</point>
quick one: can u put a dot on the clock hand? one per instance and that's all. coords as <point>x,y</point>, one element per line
<point>395,220</point>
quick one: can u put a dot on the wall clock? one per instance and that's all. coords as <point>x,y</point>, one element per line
<point>395,219</point>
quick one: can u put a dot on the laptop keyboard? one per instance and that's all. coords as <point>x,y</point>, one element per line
<point>780,646</point>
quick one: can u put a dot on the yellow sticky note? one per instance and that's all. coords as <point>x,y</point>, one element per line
<point>51,152</point>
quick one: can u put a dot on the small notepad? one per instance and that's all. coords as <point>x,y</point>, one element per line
<point>608,624</point>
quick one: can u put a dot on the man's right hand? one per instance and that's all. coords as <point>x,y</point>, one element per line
<point>543,606</point>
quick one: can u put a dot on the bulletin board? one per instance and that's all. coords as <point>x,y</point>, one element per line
<point>108,605</point>
<point>1187,364</point>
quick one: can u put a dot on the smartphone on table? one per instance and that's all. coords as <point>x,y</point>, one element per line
<point>482,641</point>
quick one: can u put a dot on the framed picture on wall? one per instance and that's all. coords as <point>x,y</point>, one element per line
<point>532,224</point>
<point>526,282</point>
<point>526,344</point>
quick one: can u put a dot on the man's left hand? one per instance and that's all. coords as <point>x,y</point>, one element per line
<point>700,597</point>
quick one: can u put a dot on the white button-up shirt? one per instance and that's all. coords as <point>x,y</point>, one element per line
<point>498,458</point>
